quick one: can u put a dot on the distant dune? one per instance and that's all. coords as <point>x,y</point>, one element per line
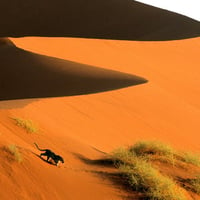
<point>28,75</point>
<point>106,19</point>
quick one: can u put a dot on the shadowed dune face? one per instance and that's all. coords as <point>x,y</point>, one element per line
<point>108,19</point>
<point>6,41</point>
<point>28,75</point>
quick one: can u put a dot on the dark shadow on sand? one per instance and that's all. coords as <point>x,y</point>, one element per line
<point>25,75</point>
<point>116,178</point>
<point>104,19</point>
<point>106,162</point>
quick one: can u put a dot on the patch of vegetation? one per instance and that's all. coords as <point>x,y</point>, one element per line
<point>13,149</point>
<point>145,167</point>
<point>123,156</point>
<point>141,176</point>
<point>192,158</point>
<point>154,150</point>
<point>195,184</point>
<point>142,148</point>
<point>28,125</point>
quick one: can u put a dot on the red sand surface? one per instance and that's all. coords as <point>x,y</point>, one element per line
<point>81,128</point>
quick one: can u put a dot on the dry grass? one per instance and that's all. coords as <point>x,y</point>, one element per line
<point>28,125</point>
<point>141,176</point>
<point>192,158</point>
<point>137,164</point>
<point>142,148</point>
<point>195,184</point>
<point>155,150</point>
<point>13,149</point>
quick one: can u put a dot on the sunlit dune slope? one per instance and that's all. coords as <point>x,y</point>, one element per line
<point>28,75</point>
<point>167,107</point>
<point>106,19</point>
<point>35,179</point>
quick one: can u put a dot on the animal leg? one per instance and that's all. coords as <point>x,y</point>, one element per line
<point>48,158</point>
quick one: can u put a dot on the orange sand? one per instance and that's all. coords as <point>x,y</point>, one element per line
<point>81,128</point>
<point>158,109</point>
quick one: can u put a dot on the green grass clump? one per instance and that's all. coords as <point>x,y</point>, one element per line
<point>28,125</point>
<point>141,176</point>
<point>15,152</point>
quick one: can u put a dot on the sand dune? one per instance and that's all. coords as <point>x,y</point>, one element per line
<point>28,75</point>
<point>167,107</point>
<point>108,19</point>
<point>82,128</point>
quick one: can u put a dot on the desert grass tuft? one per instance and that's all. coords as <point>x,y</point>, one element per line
<point>28,125</point>
<point>154,150</point>
<point>152,147</point>
<point>141,176</point>
<point>195,184</point>
<point>122,156</point>
<point>189,157</point>
<point>13,149</point>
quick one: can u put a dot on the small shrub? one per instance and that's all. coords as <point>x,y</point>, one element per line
<point>28,125</point>
<point>15,152</point>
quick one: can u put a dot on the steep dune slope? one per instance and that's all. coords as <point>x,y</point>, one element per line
<point>35,179</point>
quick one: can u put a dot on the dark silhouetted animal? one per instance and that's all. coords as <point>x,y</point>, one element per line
<point>50,155</point>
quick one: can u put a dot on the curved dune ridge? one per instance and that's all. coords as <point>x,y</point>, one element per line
<point>106,19</point>
<point>28,75</point>
<point>167,107</point>
<point>84,128</point>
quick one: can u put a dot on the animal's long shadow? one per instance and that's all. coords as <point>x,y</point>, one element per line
<point>103,19</point>
<point>116,178</point>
